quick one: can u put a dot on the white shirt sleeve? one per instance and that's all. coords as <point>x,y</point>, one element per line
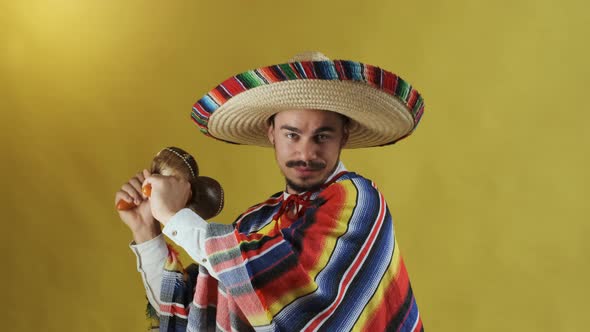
<point>151,257</point>
<point>188,230</point>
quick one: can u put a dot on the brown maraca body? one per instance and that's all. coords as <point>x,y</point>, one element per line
<point>207,197</point>
<point>207,194</point>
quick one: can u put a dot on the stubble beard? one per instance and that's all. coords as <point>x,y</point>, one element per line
<point>302,188</point>
<point>311,187</point>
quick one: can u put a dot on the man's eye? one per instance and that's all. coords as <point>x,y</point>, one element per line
<point>291,135</point>
<point>322,138</point>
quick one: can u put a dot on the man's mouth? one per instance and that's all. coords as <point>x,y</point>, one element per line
<point>305,171</point>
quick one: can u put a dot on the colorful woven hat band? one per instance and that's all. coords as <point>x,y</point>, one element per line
<point>384,108</point>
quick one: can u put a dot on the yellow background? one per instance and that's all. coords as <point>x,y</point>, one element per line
<point>490,194</point>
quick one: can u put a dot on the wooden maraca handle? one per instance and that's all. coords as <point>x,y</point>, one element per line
<point>123,205</point>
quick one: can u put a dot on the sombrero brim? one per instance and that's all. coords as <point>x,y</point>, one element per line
<point>383,107</point>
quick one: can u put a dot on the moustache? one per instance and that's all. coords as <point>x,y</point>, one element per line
<point>312,164</point>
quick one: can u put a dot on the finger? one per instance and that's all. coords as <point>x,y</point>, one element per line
<point>140,176</point>
<point>153,179</point>
<point>136,183</point>
<point>122,195</point>
<point>134,194</point>
<point>149,183</point>
<point>145,174</point>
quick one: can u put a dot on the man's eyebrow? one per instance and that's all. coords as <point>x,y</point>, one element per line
<point>286,127</point>
<point>323,129</point>
<point>317,131</point>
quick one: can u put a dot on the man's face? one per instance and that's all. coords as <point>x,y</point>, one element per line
<point>307,146</point>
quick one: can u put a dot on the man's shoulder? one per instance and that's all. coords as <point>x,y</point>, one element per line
<point>273,200</point>
<point>261,209</point>
<point>359,182</point>
<point>353,177</point>
<point>350,189</point>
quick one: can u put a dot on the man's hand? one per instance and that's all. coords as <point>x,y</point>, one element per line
<point>169,195</point>
<point>139,219</point>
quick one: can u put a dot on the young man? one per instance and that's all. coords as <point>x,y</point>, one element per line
<point>321,255</point>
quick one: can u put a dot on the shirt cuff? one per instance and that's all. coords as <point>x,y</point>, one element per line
<point>150,252</point>
<point>151,257</point>
<point>188,230</point>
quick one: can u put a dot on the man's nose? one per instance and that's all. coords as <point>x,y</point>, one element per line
<point>308,150</point>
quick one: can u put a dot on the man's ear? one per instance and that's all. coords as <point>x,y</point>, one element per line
<point>345,133</point>
<point>270,133</point>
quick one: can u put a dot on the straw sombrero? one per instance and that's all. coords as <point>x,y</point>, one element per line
<point>383,108</point>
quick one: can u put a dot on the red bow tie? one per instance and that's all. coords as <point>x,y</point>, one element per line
<point>294,206</point>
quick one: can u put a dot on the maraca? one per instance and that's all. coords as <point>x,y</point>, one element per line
<point>207,195</point>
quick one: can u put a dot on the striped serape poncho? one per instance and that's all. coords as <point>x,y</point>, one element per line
<point>335,266</point>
